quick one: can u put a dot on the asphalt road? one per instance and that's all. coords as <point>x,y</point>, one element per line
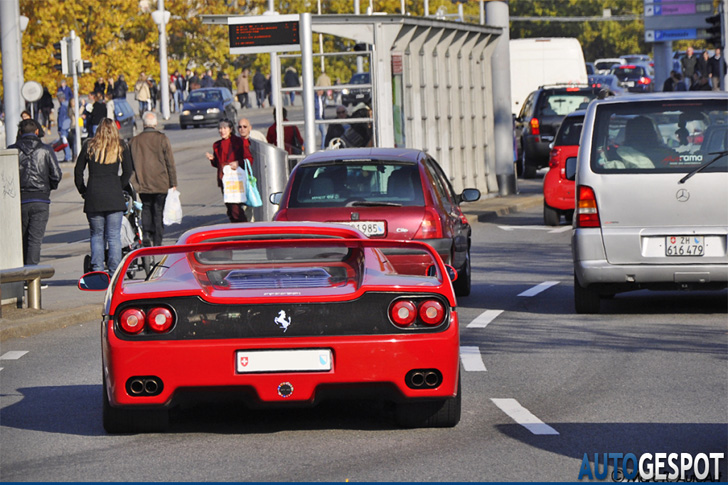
<point>542,386</point>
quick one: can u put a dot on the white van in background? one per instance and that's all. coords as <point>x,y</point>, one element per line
<point>544,60</point>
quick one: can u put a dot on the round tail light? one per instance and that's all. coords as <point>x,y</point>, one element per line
<point>160,319</point>
<point>132,320</point>
<point>432,312</point>
<point>403,313</point>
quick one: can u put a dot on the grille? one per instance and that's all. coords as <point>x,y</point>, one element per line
<point>284,278</point>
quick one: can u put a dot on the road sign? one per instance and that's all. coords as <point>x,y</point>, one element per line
<point>669,20</point>
<point>670,35</point>
<point>264,33</point>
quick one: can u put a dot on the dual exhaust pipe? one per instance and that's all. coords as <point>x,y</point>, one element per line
<point>144,386</point>
<point>423,378</point>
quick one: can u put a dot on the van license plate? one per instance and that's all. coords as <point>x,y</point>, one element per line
<point>684,246</point>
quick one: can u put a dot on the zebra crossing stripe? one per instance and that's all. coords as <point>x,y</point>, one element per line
<point>13,355</point>
<point>482,320</point>
<point>523,416</point>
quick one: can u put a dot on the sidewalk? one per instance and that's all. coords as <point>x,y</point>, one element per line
<point>63,304</point>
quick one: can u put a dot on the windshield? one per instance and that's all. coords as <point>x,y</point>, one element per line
<point>561,104</point>
<point>205,97</point>
<point>376,182</point>
<point>660,136</point>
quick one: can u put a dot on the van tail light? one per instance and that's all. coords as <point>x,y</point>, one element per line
<point>132,320</point>
<point>160,320</point>
<point>644,80</point>
<point>535,127</point>
<point>430,228</point>
<point>587,213</point>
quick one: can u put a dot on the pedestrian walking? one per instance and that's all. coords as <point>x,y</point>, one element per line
<point>120,87</point>
<point>689,64</point>
<point>320,114</point>
<point>290,80</point>
<point>39,173</point>
<point>259,82</point>
<point>292,139</point>
<point>207,81</point>
<point>65,89</point>
<point>242,84</point>
<point>64,125</point>
<point>45,108</point>
<point>714,70</point>
<point>142,93</point>
<point>229,150</point>
<point>98,112</point>
<point>110,106</point>
<point>154,174</point>
<point>103,192</point>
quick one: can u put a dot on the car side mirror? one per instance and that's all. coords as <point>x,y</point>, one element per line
<point>94,281</point>
<point>570,171</point>
<point>470,195</point>
<point>275,198</point>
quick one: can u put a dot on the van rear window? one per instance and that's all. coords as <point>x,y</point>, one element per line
<point>660,136</point>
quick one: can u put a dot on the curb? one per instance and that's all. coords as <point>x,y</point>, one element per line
<point>39,321</point>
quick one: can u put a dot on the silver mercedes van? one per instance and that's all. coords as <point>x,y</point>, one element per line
<point>651,196</point>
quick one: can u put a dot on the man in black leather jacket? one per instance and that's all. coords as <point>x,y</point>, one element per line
<point>39,174</point>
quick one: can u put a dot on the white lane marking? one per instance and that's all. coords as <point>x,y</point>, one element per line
<point>538,288</point>
<point>549,229</point>
<point>471,359</point>
<point>523,416</point>
<point>13,355</point>
<point>482,320</point>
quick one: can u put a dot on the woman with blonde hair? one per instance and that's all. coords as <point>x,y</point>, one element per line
<point>103,191</point>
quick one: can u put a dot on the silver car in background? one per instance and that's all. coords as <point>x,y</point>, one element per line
<point>651,196</point>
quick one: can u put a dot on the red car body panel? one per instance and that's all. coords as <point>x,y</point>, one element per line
<point>187,360</point>
<point>558,191</point>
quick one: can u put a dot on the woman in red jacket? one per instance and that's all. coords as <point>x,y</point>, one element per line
<point>229,150</point>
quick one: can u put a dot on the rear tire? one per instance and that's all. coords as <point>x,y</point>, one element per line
<point>551,216</point>
<point>443,413</point>
<point>527,170</point>
<point>122,421</point>
<point>184,127</point>
<point>586,300</point>
<point>462,285</point>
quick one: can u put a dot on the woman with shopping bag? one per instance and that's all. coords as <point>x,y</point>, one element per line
<point>230,151</point>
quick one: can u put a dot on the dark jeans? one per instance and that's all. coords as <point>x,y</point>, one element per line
<point>105,231</point>
<point>153,218</point>
<point>34,216</point>
<point>260,97</point>
<point>243,100</point>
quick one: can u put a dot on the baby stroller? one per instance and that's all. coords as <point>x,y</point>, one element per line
<point>131,236</point>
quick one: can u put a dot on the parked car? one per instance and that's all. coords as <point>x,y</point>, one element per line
<point>558,191</point>
<point>608,81</point>
<point>273,314</point>
<point>387,193</point>
<point>635,58</point>
<point>207,106</point>
<point>635,78</point>
<point>605,65</point>
<point>354,96</point>
<point>126,121</point>
<point>540,118</point>
<point>651,198</point>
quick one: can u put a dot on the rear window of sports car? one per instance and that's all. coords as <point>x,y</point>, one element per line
<point>360,183</point>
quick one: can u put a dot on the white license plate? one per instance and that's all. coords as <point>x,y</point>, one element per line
<point>303,360</point>
<point>197,117</point>
<point>369,228</point>
<point>629,84</point>
<point>684,246</point>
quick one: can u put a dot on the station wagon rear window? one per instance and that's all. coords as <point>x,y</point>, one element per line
<point>365,182</point>
<point>660,137</point>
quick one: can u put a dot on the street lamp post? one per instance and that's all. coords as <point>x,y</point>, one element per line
<point>161,18</point>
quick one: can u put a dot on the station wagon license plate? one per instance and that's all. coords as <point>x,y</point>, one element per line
<point>299,360</point>
<point>369,228</point>
<point>684,246</point>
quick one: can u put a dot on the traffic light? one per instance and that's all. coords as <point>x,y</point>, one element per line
<point>61,54</point>
<point>715,30</point>
<point>86,68</point>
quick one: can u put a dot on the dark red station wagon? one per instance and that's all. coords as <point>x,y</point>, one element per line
<point>389,193</point>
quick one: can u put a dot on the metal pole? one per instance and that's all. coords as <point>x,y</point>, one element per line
<point>321,43</point>
<point>426,8</point>
<point>482,12</point>
<point>359,59</point>
<point>77,129</point>
<point>275,84</point>
<point>11,64</point>
<point>497,14</point>
<point>309,117</point>
<point>163,73</point>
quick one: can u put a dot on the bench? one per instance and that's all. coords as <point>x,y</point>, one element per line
<point>31,274</point>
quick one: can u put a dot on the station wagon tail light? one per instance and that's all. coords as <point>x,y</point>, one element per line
<point>160,320</point>
<point>431,312</point>
<point>644,80</point>
<point>430,227</point>
<point>403,313</point>
<point>132,320</point>
<point>535,127</point>
<point>587,214</point>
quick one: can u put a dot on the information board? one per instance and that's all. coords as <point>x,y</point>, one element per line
<point>264,33</point>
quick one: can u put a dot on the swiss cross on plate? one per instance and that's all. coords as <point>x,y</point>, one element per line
<point>243,361</point>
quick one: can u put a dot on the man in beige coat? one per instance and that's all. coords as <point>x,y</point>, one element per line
<point>154,175</point>
<point>243,88</point>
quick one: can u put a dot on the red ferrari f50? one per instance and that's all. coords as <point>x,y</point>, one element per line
<point>277,314</point>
